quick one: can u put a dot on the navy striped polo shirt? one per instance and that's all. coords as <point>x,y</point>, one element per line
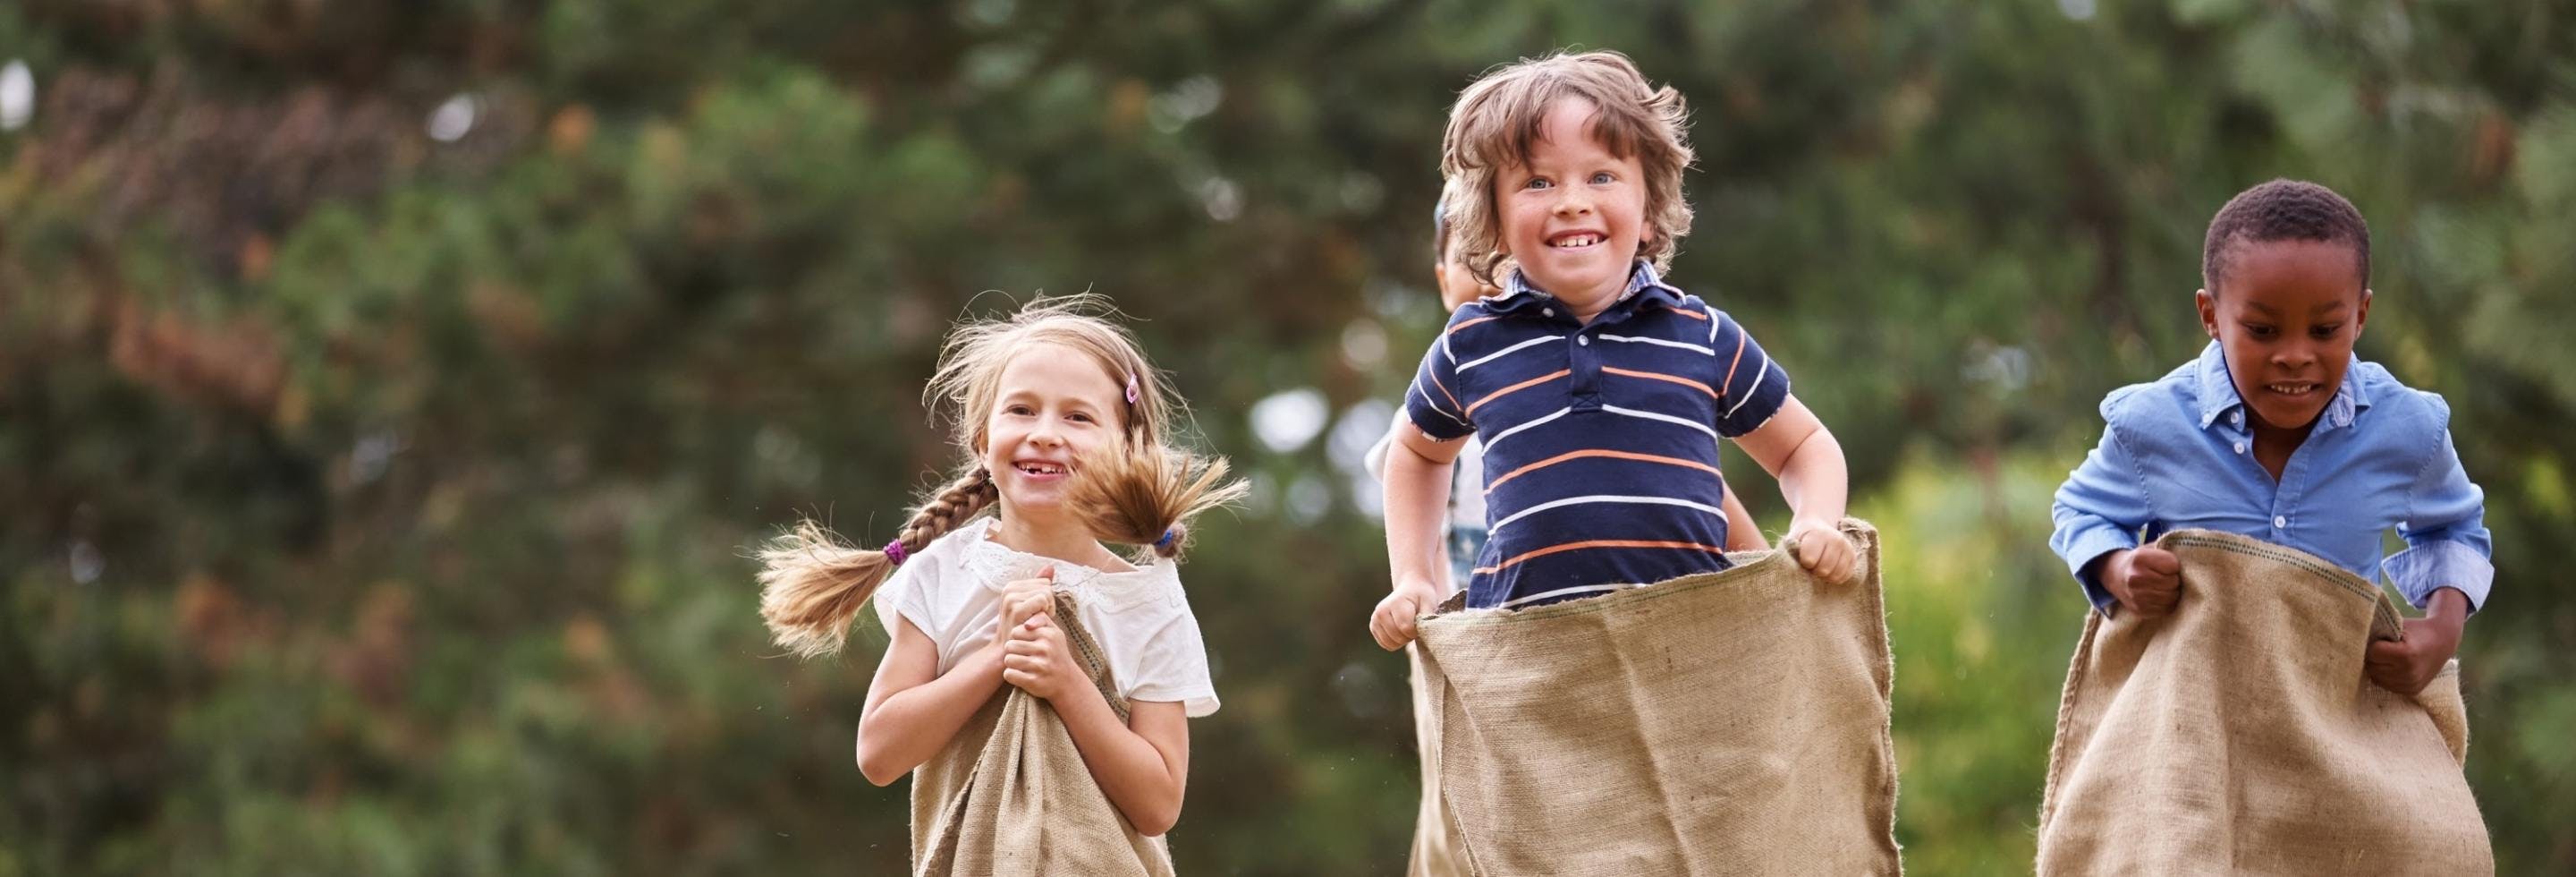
<point>1601,439</point>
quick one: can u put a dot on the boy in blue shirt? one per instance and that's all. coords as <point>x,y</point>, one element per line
<point>2280,433</point>
<point>1600,392</point>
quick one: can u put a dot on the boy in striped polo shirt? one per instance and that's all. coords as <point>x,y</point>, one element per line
<point>1599,391</point>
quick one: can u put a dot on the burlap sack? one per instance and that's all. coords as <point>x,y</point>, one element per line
<point>1435,839</point>
<point>1011,797</point>
<point>2238,735</point>
<point>1728,723</point>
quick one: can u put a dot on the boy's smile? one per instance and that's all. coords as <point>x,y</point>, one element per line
<point>1574,215</point>
<point>2286,318</point>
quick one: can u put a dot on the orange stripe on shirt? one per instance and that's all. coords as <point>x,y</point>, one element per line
<point>1454,329</point>
<point>1596,543</point>
<point>1444,391</point>
<point>1740,339</point>
<point>1691,314</point>
<point>1506,391</point>
<point>1660,377</point>
<point>1599,452</point>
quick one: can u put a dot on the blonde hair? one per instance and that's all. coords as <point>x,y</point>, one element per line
<point>1496,123</point>
<point>1139,493</point>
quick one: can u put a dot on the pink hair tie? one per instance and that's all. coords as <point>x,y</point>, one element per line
<point>894,552</point>
<point>1132,391</point>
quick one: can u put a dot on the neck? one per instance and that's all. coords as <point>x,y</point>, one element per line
<point>1056,536</point>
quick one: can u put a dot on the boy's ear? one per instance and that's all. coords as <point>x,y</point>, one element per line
<point>2361,317</point>
<point>2208,305</point>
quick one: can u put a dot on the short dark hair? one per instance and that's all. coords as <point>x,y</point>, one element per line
<point>2283,210</point>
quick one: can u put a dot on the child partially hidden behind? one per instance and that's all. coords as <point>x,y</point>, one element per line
<point>2278,432</point>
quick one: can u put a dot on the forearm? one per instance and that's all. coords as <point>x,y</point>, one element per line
<point>1417,491</point>
<point>2450,608</point>
<point>909,727</point>
<point>1139,780</point>
<point>1814,482</point>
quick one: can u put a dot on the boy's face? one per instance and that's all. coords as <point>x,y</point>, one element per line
<point>1575,214</point>
<point>2287,314</point>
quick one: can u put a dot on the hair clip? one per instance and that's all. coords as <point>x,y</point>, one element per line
<point>894,552</point>
<point>1132,391</point>
<point>1165,543</point>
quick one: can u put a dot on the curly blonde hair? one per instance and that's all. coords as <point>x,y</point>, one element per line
<point>1496,123</point>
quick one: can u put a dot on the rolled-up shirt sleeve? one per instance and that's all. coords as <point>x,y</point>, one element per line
<point>2101,508</point>
<point>2447,545</point>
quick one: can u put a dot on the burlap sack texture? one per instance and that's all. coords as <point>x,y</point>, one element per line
<point>2239,735</point>
<point>1011,797</point>
<point>1728,723</point>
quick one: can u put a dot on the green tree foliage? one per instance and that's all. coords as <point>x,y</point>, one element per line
<point>389,393</point>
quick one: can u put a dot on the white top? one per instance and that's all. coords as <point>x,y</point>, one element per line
<point>952,590</point>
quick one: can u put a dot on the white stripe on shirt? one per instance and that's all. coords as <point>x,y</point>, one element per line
<point>1497,529</point>
<point>1490,357</point>
<point>1694,348</point>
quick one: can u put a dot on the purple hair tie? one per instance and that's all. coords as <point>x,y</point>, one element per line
<point>894,552</point>
<point>1165,543</point>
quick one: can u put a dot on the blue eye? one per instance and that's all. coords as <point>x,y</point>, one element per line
<point>1536,183</point>
<point>1602,179</point>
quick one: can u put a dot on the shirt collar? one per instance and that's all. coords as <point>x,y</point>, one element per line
<point>2218,392</point>
<point>1645,286</point>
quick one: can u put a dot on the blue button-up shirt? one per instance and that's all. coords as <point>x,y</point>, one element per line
<point>2179,454</point>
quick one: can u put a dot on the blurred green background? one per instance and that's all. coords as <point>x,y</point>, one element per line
<point>389,393</point>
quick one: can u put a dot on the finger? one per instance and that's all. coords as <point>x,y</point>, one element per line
<point>2158,561</point>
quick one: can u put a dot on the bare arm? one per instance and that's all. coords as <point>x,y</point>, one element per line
<point>1417,496</point>
<point>913,709</point>
<point>1796,448</point>
<point>1742,532</point>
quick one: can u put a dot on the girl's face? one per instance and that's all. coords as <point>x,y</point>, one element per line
<point>1053,405</point>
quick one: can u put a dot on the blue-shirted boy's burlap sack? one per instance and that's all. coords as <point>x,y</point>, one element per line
<point>1011,797</point>
<point>1728,723</point>
<point>2239,734</point>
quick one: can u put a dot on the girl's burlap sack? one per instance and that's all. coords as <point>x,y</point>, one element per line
<point>2238,735</point>
<point>1011,797</point>
<point>1728,723</point>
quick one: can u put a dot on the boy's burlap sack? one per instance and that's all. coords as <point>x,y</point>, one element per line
<point>1728,723</point>
<point>1435,839</point>
<point>2238,735</point>
<point>1011,797</point>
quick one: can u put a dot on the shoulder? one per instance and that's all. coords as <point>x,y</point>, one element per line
<point>2397,405</point>
<point>2135,405</point>
<point>950,548</point>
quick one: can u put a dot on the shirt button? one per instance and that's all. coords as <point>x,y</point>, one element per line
<point>2236,417</point>
<point>2240,447</point>
<point>1582,340</point>
<point>2279,522</point>
<point>1547,312</point>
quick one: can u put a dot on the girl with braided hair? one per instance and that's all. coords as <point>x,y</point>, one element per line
<point>1063,424</point>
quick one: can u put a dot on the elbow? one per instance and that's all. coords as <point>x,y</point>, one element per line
<point>878,766</point>
<point>1159,820</point>
<point>879,773</point>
